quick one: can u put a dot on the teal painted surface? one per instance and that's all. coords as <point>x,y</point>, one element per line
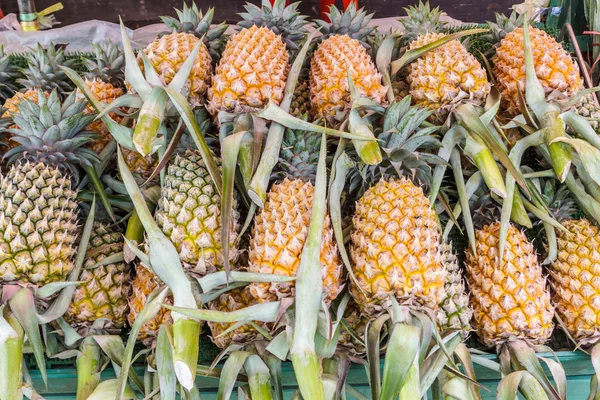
<point>62,382</point>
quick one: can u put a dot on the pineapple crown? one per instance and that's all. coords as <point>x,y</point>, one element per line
<point>282,20</point>
<point>299,155</point>
<point>52,132</point>
<point>192,20</point>
<point>43,70</point>
<point>559,200</point>
<point>420,20</point>
<point>8,75</point>
<point>405,140</point>
<point>108,63</point>
<point>353,22</point>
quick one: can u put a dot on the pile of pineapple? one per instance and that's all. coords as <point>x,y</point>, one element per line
<point>305,191</point>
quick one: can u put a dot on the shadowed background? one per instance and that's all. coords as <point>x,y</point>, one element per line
<point>136,13</point>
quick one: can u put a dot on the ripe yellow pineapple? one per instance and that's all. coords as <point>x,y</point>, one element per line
<point>167,53</point>
<point>395,244</point>
<point>252,72</point>
<point>106,93</point>
<point>554,67</point>
<point>254,66</point>
<point>445,76</point>
<point>396,248</point>
<point>342,48</point>
<point>510,301</point>
<point>574,278</point>
<point>281,228</point>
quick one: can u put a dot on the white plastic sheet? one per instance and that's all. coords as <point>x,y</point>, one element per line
<point>80,36</point>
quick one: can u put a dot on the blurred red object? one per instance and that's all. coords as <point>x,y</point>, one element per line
<point>1,13</point>
<point>325,4</point>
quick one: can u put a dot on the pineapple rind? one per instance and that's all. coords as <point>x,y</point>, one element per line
<point>38,224</point>
<point>455,311</point>
<point>445,76</point>
<point>575,278</point>
<point>278,237</point>
<point>510,301</point>
<point>189,213</point>
<point>329,88</point>
<point>252,71</point>
<point>395,247</point>
<point>105,291</point>
<point>168,53</point>
<point>555,70</point>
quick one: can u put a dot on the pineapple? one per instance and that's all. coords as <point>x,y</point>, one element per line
<point>254,66</point>
<point>168,53</point>
<point>281,228</point>
<point>243,335</point>
<point>189,214</point>
<point>42,72</point>
<point>554,67</point>
<point>343,47</point>
<point>38,202</point>
<point>510,301</point>
<point>105,290</point>
<point>396,248</point>
<point>191,20</point>
<point>445,76</point>
<point>455,311</point>
<point>395,244</point>
<point>576,268</point>
<point>573,277</point>
<point>104,80</point>
<point>144,283</point>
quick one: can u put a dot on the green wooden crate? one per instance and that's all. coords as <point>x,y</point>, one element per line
<point>62,382</point>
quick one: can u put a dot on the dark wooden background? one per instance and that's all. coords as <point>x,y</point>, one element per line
<point>137,13</point>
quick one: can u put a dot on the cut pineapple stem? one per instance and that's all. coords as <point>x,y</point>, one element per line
<point>185,350</point>
<point>88,368</point>
<point>11,357</point>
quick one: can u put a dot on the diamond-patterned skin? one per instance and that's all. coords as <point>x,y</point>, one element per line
<point>575,278</point>
<point>106,288</point>
<point>395,248</point>
<point>511,300</point>
<point>38,225</point>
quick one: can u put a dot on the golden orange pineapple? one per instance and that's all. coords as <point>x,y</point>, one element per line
<point>396,248</point>
<point>511,300</point>
<point>168,53</point>
<point>106,93</point>
<point>342,48</point>
<point>575,278</point>
<point>445,76</point>
<point>554,67</point>
<point>253,71</point>
<point>281,228</point>
<point>254,66</point>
